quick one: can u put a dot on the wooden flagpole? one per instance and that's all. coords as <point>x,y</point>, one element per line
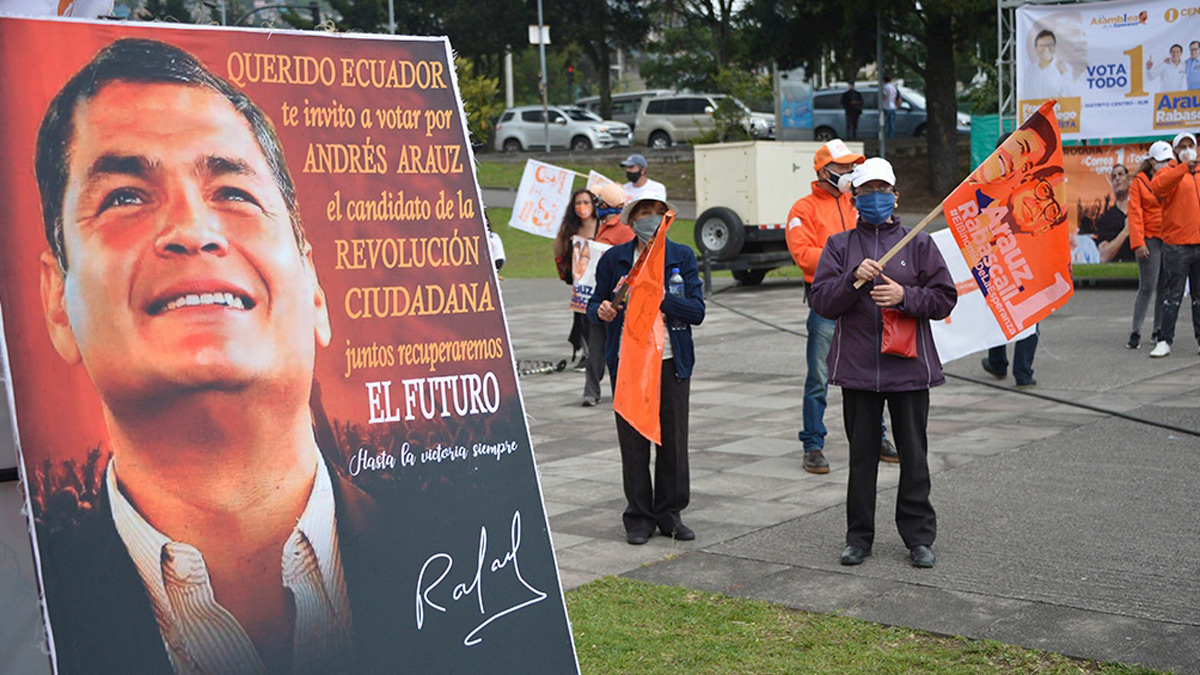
<point>907,238</point>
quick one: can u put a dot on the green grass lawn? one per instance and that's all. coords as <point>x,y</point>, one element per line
<point>627,626</point>
<point>675,176</point>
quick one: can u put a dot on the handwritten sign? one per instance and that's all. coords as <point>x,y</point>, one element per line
<point>271,327</point>
<point>542,198</point>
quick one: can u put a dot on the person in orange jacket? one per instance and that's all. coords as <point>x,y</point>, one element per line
<point>811,220</point>
<point>1178,188</point>
<point>1145,238</point>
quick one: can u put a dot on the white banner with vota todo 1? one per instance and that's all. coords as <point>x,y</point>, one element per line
<point>1118,69</point>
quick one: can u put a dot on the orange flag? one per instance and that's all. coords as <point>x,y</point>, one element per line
<point>639,374</point>
<point>1009,217</point>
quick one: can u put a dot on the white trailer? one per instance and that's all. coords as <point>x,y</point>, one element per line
<point>743,194</point>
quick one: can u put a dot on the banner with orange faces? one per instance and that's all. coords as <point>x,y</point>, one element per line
<point>1009,218</point>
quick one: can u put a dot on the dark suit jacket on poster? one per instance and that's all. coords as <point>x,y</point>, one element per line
<point>103,620</point>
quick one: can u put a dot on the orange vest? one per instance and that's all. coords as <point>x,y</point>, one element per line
<point>1179,191</point>
<point>812,220</point>
<point>1145,212</point>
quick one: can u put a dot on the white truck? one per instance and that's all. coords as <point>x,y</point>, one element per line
<point>743,193</point>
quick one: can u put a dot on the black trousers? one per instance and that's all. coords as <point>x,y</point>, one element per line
<point>658,503</point>
<point>863,412</point>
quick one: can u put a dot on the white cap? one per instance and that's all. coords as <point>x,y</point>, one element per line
<point>1160,151</point>
<point>875,168</point>
<point>1180,137</point>
<point>648,196</point>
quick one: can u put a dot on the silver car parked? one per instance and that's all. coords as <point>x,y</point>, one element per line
<point>522,128</point>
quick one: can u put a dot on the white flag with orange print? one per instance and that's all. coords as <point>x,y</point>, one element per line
<point>542,199</point>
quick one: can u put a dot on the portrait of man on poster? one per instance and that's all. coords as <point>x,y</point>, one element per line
<point>179,276</point>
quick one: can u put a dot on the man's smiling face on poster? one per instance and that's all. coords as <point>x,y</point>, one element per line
<point>183,269</point>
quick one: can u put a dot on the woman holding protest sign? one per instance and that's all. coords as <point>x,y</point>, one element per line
<point>579,220</point>
<point>883,351</point>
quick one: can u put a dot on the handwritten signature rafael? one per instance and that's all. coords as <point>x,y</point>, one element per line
<point>474,587</point>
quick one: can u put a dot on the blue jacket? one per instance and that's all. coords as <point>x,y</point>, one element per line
<point>855,360</point>
<point>616,263</point>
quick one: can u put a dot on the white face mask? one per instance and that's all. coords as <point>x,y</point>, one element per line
<point>1187,155</point>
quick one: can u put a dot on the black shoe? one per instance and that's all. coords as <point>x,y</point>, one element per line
<point>680,533</point>
<point>887,452</point>
<point>638,538</point>
<point>1027,384</point>
<point>1135,341</point>
<point>987,365</point>
<point>854,555</point>
<point>921,556</point>
<point>814,462</point>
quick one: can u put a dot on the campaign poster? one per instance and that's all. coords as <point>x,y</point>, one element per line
<point>1117,69</point>
<point>1099,181</point>
<point>265,401</point>
<point>971,325</point>
<point>543,198</point>
<point>585,256</point>
<point>1009,218</point>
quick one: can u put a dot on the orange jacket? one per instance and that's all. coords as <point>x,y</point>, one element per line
<point>1178,188</point>
<point>812,220</point>
<point>613,231</point>
<point>1145,212</point>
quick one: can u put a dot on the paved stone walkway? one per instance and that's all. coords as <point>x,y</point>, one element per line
<point>1060,527</point>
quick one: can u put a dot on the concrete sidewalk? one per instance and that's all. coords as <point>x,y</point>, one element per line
<point>1060,527</point>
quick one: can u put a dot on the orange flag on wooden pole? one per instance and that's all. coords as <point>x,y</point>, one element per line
<point>639,374</point>
<point>1009,217</point>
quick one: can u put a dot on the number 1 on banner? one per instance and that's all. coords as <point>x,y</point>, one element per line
<point>1137,74</point>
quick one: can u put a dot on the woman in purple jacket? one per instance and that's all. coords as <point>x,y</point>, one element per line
<point>917,284</point>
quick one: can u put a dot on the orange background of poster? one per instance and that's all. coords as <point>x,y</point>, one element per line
<point>58,412</point>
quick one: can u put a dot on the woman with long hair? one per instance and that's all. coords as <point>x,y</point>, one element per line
<point>580,220</point>
<point>1145,237</point>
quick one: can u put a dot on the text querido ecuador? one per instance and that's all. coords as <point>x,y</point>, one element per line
<point>244,68</point>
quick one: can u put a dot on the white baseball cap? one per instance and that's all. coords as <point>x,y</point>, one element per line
<point>1180,137</point>
<point>1160,151</point>
<point>648,196</point>
<point>875,168</point>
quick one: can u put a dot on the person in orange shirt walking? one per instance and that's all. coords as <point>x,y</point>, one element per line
<point>1178,188</point>
<point>1145,237</point>
<point>810,222</point>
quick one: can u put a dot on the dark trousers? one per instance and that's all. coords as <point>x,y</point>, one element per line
<point>596,335</point>
<point>852,125</point>
<point>1181,264</point>
<point>914,513</point>
<point>659,503</point>
<point>1022,363</point>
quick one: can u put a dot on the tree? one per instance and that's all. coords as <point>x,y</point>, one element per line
<point>926,37</point>
<point>480,96</point>
<point>599,27</point>
<point>174,11</point>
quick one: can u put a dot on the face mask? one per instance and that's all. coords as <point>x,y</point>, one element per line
<point>645,227</point>
<point>584,211</point>
<point>1187,155</point>
<point>834,178</point>
<point>633,176</point>
<point>876,207</point>
<point>605,211</point>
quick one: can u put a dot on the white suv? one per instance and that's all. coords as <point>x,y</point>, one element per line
<point>665,120</point>
<point>522,128</point>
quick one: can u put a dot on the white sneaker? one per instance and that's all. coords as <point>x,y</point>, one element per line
<point>1160,350</point>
